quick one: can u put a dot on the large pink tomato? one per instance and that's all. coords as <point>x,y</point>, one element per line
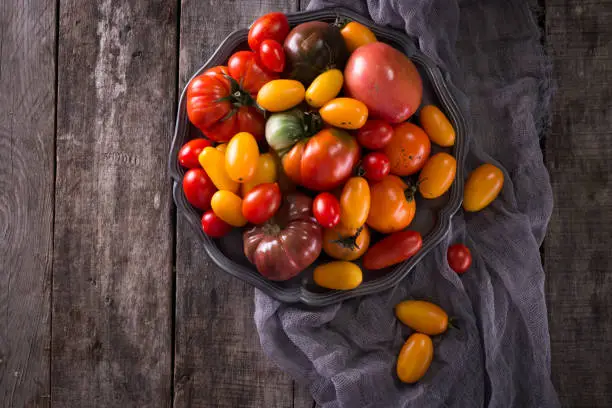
<point>385,80</point>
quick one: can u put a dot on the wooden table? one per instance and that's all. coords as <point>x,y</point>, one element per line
<point>106,297</point>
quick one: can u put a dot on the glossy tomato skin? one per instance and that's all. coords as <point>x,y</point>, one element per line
<point>392,250</point>
<point>261,203</point>
<point>245,68</point>
<point>437,126</point>
<point>280,95</point>
<point>482,187</point>
<point>356,35</point>
<point>385,80</point>
<point>324,88</point>
<point>437,175</point>
<point>265,172</point>
<point>355,203</point>
<point>375,134</point>
<point>423,317</point>
<point>214,226</point>
<point>338,275</point>
<point>271,26</point>
<point>326,210</point>
<point>241,157</point>
<point>392,208</point>
<point>375,165</point>
<point>408,149</point>
<point>198,188</point>
<point>188,155</point>
<point>345,113</point>
<point>459,258</point>
<point>272,55</point>
<point>228,207</point>
<point>213,161</point>
<point>414,358</point>
<point>324,162</point>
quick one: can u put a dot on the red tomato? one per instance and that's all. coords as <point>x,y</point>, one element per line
<point>459,258</point>
<point>375,134</point>
<point>272,55</point>
<point>392,250</point>
<point>271,26</point>
<point>326,210</point>
<point>188,155</point>
<point>198,188</point>
<point>375,166</point>
<point>214,226</point>
<point>244,67</point>
<point>408,149</point>
<point>261,203</point>
<point>220,108</point>
<point>323,162</point>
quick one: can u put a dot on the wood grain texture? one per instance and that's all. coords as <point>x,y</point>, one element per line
<point>218,361</point>
<point>27,115</point>
<point>577,247</point>
<point>112,277</point>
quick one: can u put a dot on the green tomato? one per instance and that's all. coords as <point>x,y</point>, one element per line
<point>284,129</point>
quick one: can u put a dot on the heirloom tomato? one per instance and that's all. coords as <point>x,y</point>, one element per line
<point>414,358</point>
<point>261,203</point>
<point>356,35</point>
<point>271,26</point>
<point>346,244</point>
<point>280,95</point>
<point>482,187</point>
<point>326,210</point>
<point>345,113</point>
<point>422,316</point>
<point>437,175</point>
<point>241,157</point>
<point>437,126</point>
<point>324,88</point>
<point>245,68</point>
<point>392,206</point>
<point>285,129</point>
<point>408,149</point>
<point>188,155</point>
<point>339,275</point>
<point>198,188</point>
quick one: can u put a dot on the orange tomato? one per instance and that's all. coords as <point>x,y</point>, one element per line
<point>408,149</point>
<point>437,126</point>
<point>438,175</point>
<point>392,206</point>
<point>482,187</point>
<point>345,113</point>
<point>356,34</point>
<point>346,244</point>
<point>422,316</point>
<point>415,358</point>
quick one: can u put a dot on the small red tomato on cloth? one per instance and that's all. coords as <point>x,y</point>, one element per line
<point>459,258</point>
<point>375,166</point>
<point>214,226</point>
<point>375,134</point>
<point>198,188</point>
<point>326,210</point>
<point>188,155</point>
<point>261,203</point>
<point>272,55</point>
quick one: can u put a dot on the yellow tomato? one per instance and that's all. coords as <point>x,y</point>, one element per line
<point>437,175</point>
<point>221,147</point>
<point>280,94</point>
<point>346,244</point>
<point>213,162</point>
<point>355,203</point>
<point>228,206</point>
<point>482,187</point>
<point>415,358</point>
<point>340,275</point>
<point>324,88</point>
<point>437,126</point>
<point>345,113</point>
<point>241,157</point>
<point>266,172</point>
<point>422,316</point>
<point>356,34</point>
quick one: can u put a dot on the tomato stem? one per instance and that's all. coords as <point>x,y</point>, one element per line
<point>451,325</point>
<point>412,189</point>
<point>349,242</point>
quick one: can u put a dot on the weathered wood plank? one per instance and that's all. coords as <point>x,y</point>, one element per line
<point>577,247</point>
<point>112,277</point>
<point>218,362</point>
<point>27,115</point>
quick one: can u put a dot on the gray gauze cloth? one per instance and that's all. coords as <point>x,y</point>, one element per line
<point>500,356</point>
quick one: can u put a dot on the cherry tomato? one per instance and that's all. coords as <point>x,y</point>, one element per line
<point>272,55</point>
<point>198,188</point>
<point>355,203</point>
<point>482,187</point>
<point>228,207</point>
<point>324,88</point>
<point>356,34</point>
<point>326,210</point>
<point>437,175</point>
<point>408,149</point>
<point>271,26</point>
<point>261,203</point>
<point>437,126</point>
<point>280,95</point>
<point>346,244</point>
<point>213,161</point>
<point>339,275</point>
<point>392,205</point>
<point>241,157</point>
<point>392,250</point>
<point>245,68</point>
<point>375,134</point>
<point>214,226</point>
<point>265,172</point>
<point>188,155</point>
<point>375,166</point>
<point>422,316</point>
<point>345,113</point>
<point>459,258</point>
<point>415,358</point>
